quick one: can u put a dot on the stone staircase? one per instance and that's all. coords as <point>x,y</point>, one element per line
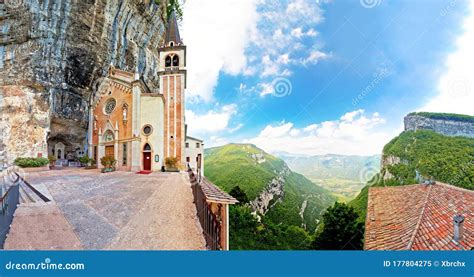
<point>27,195</point>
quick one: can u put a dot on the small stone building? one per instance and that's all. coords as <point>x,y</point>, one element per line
<point>195,154</point>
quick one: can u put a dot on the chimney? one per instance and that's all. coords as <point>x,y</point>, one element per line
<point>458,228</point>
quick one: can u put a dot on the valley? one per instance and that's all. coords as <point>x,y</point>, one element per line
<point>343,175</point>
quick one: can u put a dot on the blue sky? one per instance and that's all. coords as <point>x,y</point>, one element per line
<point>317,77</point>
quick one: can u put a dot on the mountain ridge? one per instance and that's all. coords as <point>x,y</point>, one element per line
<point>273,189</point>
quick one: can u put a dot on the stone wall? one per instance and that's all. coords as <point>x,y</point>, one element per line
<point>445,127</point>
<point>52,54</point>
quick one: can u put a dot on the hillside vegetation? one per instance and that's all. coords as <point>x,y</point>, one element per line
<point>290,220</point>
<point>445,116</point>
<point>233,164</point>
<point>445,159</point>
<point>344,175</point>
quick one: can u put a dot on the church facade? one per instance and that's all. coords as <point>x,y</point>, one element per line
<point>138,127</point>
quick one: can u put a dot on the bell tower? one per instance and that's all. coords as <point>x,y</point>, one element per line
<point>172,72</point>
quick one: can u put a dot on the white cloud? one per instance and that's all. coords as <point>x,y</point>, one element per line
<point>217,34</point>
<point>456,85</point>
<point>354,133</point>
<point>266,89</point>
<point>210,122</point>
<point>314,57</point>
<point>251,37</point>
<point>282,26</point>
<point>297,32</point>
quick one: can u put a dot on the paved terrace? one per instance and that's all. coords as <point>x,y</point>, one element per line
<point>118,210</point>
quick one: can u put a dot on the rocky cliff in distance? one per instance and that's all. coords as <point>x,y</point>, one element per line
<point>51,55</point>
<point>436,145</point>
<point>273,190</point>
<point>452,125</point>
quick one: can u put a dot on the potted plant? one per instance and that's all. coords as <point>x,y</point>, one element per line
<point>52,161</point>
<point>171,164</point>
<point>92,164</point>
<point>108,163</point>
<point>85,161</point>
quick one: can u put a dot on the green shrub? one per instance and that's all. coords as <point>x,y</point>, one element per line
<point>239,194</point>
<point>31,162</point>
<point>85,160</point>
<point>108,162</point>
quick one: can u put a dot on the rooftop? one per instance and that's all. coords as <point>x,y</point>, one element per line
<point>215,194</point>
<point>418,217</point>
<point>172,31</point>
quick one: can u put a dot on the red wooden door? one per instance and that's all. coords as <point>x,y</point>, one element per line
<point>146,161</point>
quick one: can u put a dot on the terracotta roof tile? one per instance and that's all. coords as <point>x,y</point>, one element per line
<point>418,217</point>
<point>215,194</point>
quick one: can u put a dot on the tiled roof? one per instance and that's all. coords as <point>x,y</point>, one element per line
<point>211,191</point>
<point>418,217</point>
<point>215,194</point>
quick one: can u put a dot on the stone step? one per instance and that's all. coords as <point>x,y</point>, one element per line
<point>29,195</point>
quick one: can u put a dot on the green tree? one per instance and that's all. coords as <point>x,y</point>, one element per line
<point>341,229</point>
<point>172,5</point>
<point>243,228</point>
<point>239,194</point>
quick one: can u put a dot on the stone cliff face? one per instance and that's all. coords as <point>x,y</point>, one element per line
<point>272,194</point>
<point>445,127</point>
<point>52,54</point>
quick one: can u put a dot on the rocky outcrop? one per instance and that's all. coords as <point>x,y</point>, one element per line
<point>272,194</point>
<point>52,54</point>
<point>385,163</point>
<point>449,127</point>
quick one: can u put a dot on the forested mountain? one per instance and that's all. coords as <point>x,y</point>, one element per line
<point>284,201</point>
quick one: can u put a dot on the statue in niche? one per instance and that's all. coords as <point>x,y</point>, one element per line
<point>124,113</point>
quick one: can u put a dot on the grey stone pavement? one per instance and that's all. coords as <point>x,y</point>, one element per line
<point>124,210</point>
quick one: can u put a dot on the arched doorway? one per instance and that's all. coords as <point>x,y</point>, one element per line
<point>147,157</point>
<point>108,138</point>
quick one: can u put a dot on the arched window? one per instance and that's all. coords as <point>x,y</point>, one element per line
<point>168,61</point>
<point>147,147</point>
<point>175,60</point>
<point>171,43</point>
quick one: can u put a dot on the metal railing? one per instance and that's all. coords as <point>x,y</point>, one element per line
<point>9,202</point>
<point>210,224</point>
